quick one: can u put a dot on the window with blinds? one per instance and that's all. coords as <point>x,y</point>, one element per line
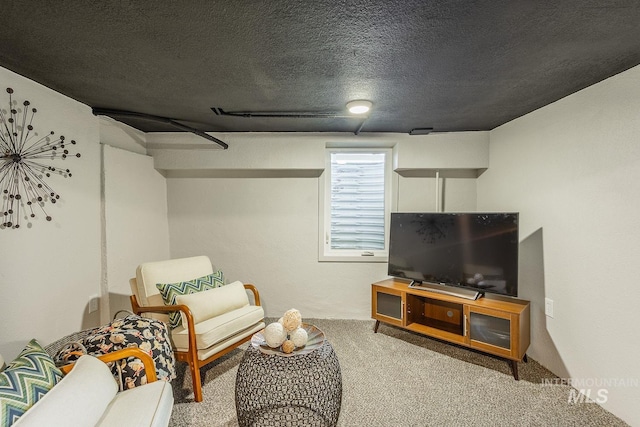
<point>356,210</point>
<point>357,201</point>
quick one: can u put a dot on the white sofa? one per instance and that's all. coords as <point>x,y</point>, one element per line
<point>88,396</point>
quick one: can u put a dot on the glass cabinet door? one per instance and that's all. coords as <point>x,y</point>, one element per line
<point>388,306</point>
<point>490,331</point>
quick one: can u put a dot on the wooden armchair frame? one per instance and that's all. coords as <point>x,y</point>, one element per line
<point>147,361</point>
<point>191,355</point>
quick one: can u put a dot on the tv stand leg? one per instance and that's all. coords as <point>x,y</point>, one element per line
<point>525,359</point>
<point>514,369</point>
<point>375,328</point>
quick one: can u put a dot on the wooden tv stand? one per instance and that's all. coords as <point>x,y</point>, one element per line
<point>492,324</point>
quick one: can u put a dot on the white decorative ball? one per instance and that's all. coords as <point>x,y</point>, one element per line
<point>299,337</point>
<point>292,320</point>
<point>274,334</point>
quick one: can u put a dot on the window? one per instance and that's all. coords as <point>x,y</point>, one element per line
<point>356,204</point>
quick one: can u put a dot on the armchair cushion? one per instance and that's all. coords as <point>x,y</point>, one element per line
<point>25,381</point>
<point>168,271</point>
<point>214,302</point>
<point>216,329</point>
<point>170,291</point>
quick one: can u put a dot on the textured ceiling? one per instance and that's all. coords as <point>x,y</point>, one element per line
<point>447,65</point>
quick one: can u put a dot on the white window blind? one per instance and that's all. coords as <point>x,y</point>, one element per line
<point>357,198</point>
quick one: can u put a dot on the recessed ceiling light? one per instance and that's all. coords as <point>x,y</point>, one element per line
<point>359,107</point>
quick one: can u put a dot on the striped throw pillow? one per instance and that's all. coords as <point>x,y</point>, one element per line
<point>25,380</point>
<point>170,291</point>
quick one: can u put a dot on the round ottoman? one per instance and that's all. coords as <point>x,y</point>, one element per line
<point>300,390</point>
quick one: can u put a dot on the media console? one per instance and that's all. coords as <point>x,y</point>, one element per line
<point>492,324</point>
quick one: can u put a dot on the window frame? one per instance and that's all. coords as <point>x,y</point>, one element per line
<point>325,252</point>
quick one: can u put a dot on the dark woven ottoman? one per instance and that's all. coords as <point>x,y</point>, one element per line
<point>300,390</point>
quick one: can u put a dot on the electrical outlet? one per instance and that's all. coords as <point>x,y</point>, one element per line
<point>93,304</point>
<point>548,307</point>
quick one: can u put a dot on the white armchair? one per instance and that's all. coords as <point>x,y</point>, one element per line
<point>214,322</point>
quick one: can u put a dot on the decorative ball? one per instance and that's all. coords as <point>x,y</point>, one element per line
<point>292,320</point>
<point>299,337</point>
<point>274,334</point>
<point>288,346</point>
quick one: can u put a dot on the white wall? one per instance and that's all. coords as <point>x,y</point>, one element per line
<point>48,273</point>
<point>418,194</point>
<point>265,230</point>
<point>136,226</point>
<point>119,135</point>
<point>572,171</point>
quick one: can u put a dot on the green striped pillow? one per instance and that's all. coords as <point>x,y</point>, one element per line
<point>25,380</point>
<point>170,291</point>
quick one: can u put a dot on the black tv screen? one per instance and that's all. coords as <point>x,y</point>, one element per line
<point>470,250</point>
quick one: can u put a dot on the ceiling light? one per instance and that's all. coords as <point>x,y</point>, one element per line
<point>359,107</point>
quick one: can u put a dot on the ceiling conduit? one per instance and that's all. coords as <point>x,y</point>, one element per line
<point>120,113</point>
<point>291,115</point>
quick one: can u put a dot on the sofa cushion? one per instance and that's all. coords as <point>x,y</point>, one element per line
<point>170,291</point>
<point>214,302</point>
<point>218,328</point>
<point>150,405</point>
<point>25,381</point>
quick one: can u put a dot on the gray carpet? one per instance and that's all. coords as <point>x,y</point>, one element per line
<point>398,378</point>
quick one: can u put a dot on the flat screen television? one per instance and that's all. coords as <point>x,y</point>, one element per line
<point>477,251</point>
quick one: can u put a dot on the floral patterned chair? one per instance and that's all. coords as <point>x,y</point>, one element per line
<point>150,336</point>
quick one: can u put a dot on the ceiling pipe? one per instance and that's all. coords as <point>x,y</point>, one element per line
<point>120,113</point>
<point>282,114</point>
<point>437,190</point>
<point>291,115</point>
<point>357,132</point>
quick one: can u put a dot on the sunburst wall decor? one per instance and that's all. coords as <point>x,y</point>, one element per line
<point>26,163</point>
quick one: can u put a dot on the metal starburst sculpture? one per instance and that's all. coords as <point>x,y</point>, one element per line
<point>25,164</point>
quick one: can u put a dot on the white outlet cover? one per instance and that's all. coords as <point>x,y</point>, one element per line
<point>93,304</point>
<point>548,307</point>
